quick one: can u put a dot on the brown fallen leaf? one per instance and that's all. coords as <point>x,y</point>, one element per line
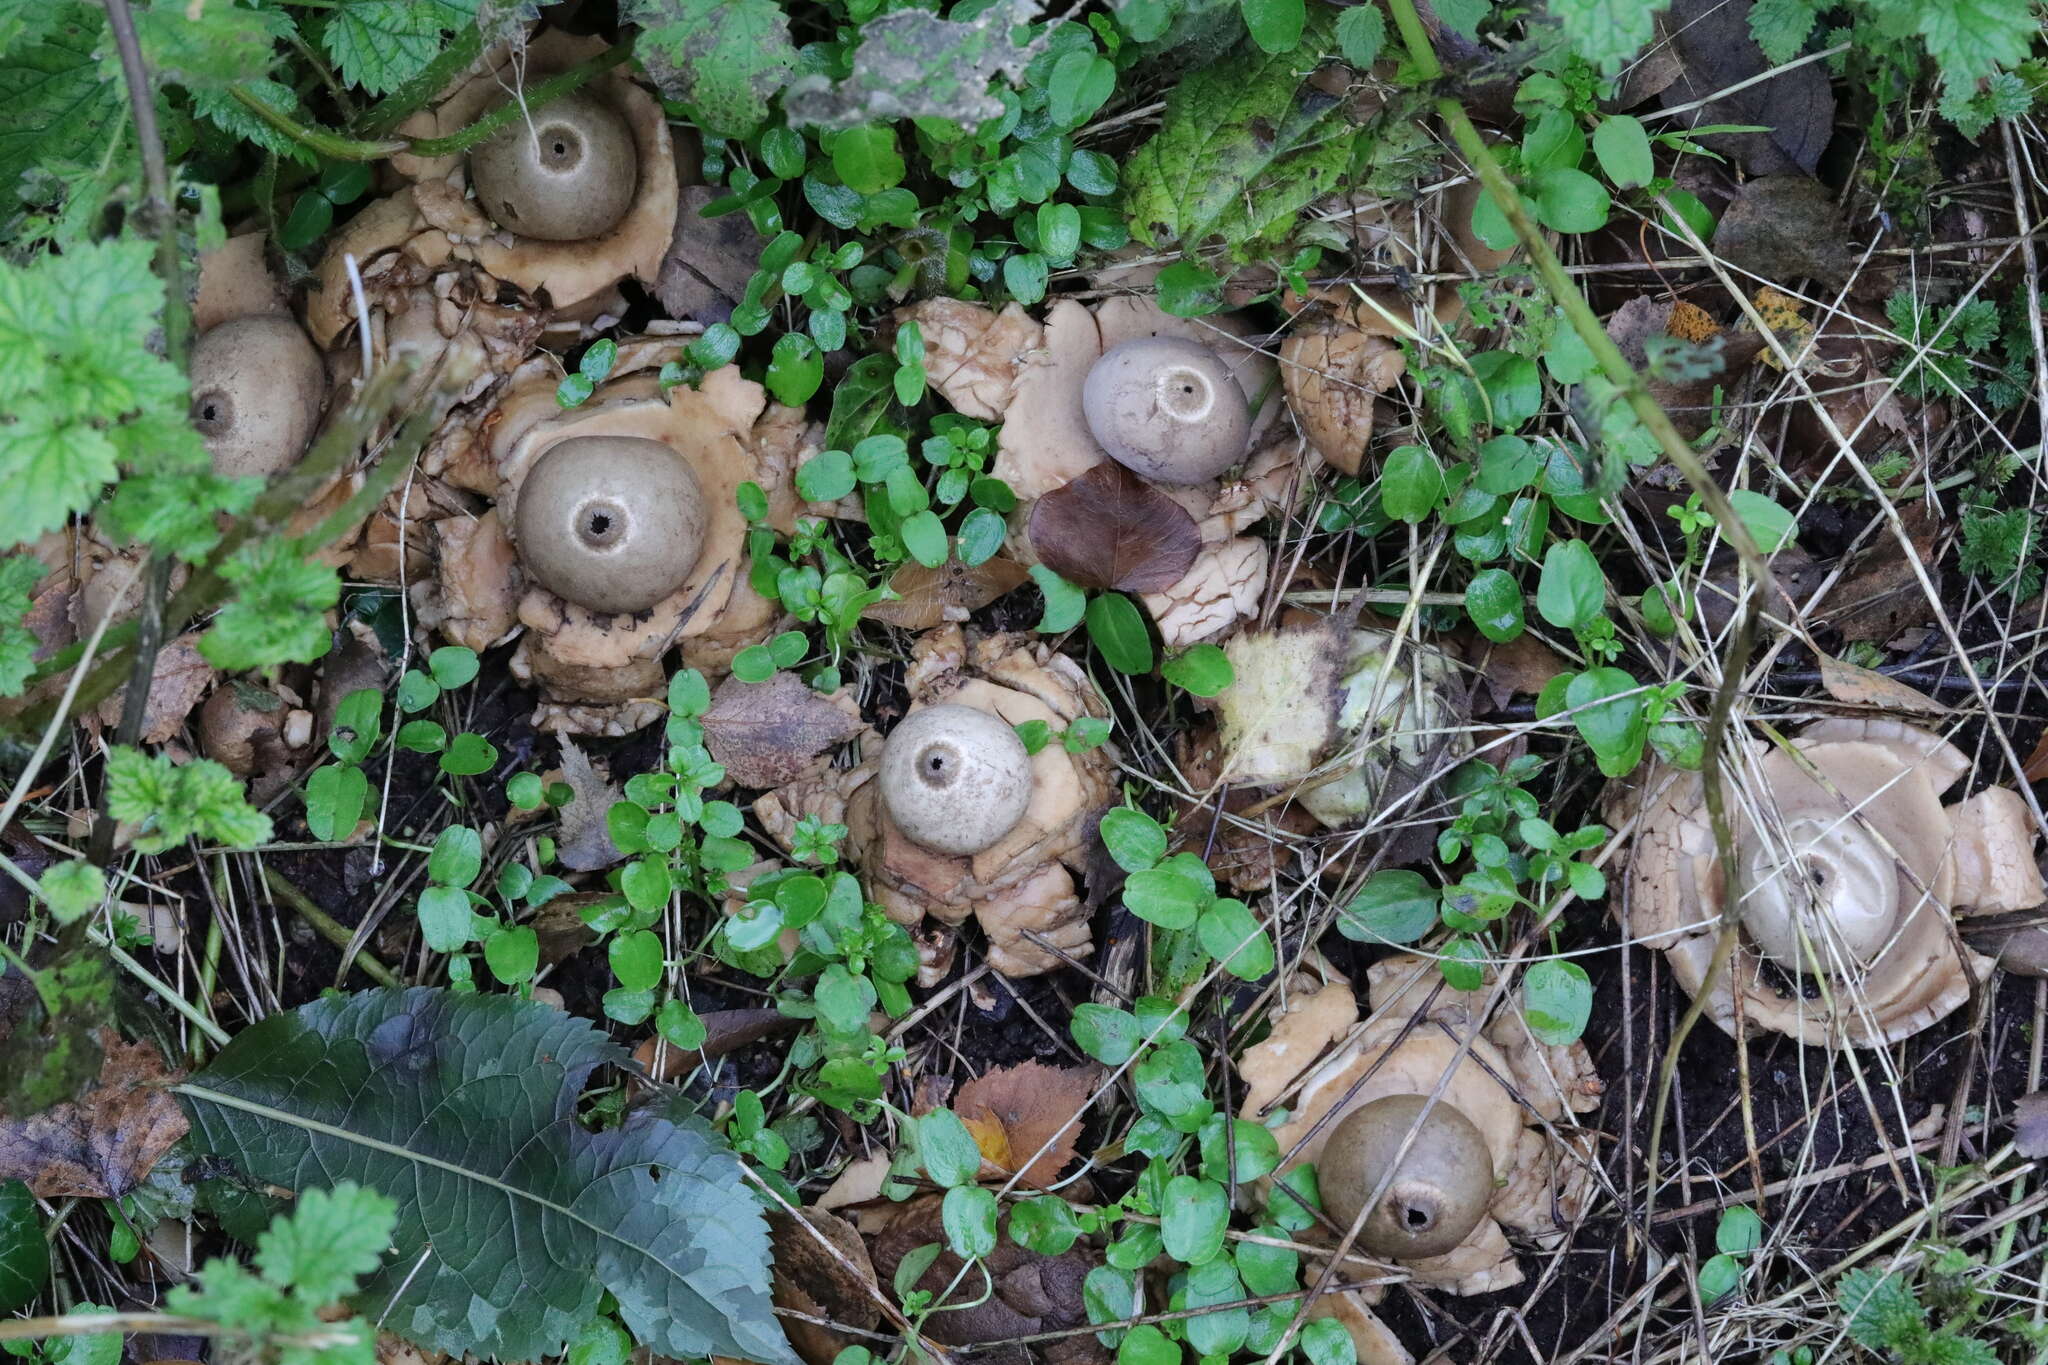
<point>585,842</point>
<point>2030,1125</point>
<point>709,260</point>
<point>724,1030</point>
<point>835,1282</point>
<point>1013,1111</point>
<point>1786,227</point>
<point>1858,686</point>
<point>181,679</point>
<point>1881,594</point>
<point>104,1143</point>
<point>1523,665</point>
<point>772,732</point>
<point>1111,529</point>
<point>1717,57</point>
<point>926,597</point>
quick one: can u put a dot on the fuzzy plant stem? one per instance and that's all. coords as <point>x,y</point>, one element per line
<point>1559,285</point>
<point>159,213</point>
<point>336,147</point>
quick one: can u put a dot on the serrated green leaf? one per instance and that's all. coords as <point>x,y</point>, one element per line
<point>60,113</point>
<point>380,44</point>
<point>169,803</point>
<point>513,1217</point>
<point>1607,32</point>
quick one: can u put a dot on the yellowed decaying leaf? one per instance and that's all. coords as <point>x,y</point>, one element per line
<point>1034,1108</point>
<point>1847,682</point>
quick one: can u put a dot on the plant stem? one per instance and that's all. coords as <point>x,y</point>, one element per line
<point>1559,285</point>
<point>326,926</point>
<point>159,213</point>
<point>338,147</point>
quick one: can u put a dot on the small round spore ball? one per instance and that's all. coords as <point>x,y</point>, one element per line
<point>257,389</point>
<point>955,779</point>
<point>1439,1192</point>
<point>1167,409</point>
<point>566,172</point>
<point>613,523</point>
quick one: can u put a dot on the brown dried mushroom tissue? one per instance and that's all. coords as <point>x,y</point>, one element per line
<point>1852,871</point>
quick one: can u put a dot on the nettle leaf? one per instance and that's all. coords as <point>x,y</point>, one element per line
<point>1607,32</point>
<point>513,1217</point>
<point>379,44</point>
<point>724,58</point>
<point>1244,145</point>
<point>913,64</point>
<point>60,113</point>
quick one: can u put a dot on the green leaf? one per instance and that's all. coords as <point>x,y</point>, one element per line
<point>453,666</point>
<point>1607,32</point>
<point>795,369</point>
<point>947,1149</point>
<point>1134,839</point>
<point>329,1241</point>
<point>24,1255</point>
<point>1064,603</point>
<point>868,159</point>
<point>336,794</point>
<point>62,112</point>
<point>1411,484</point>
<point>1882,1310</point>
<point>458,856</point>
<point>1193,1215</point>
<point>1275,25</point>
<point>924,536</point>
<point>1144,1344</point>
<point>1233,936</point>
<point>1969,39</point>
<point>1568,200</point>
<point>1108,1034</point>
<point>968,1213</point>
<point>446,921</point>
<point>1325,1342</point>
<point>380,44</point>
<point>1769,525</point>
<point>1166,896</point>
<point>71,889</point>
<point>1361,34</point>
<point>911,63</point>
<point>1244,145</point>
<point>1719,1276</point>
<point>1623,149</point>
<point>170,803</point>
<point>724,58</point>
<point>1118,629</point>
<point>1493,599</point>
<point>1395,906</point>
<point>1781,27</point>
<point>636,960</point>
<point>1572,591</point>
<point>1045,1224</point>
<point>1081,82</point>
<point>277,615</point>
<point>826,477</point>
<point>1607,707</point>
<point>518,1217</point>
<point>513,954</point>
<point>469,754</point>
<point>1203,670</point>
<point>1557,1000</point>
<point>1739,1232</point>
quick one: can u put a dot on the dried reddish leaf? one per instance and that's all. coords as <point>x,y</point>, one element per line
<point>104,1143</point>
<point>769,733</point>
<point>2035,769</point>
<point>1033,1104</point>
<point>928,597</point>
<point>822,1268</point>
<point>1111,529</point>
